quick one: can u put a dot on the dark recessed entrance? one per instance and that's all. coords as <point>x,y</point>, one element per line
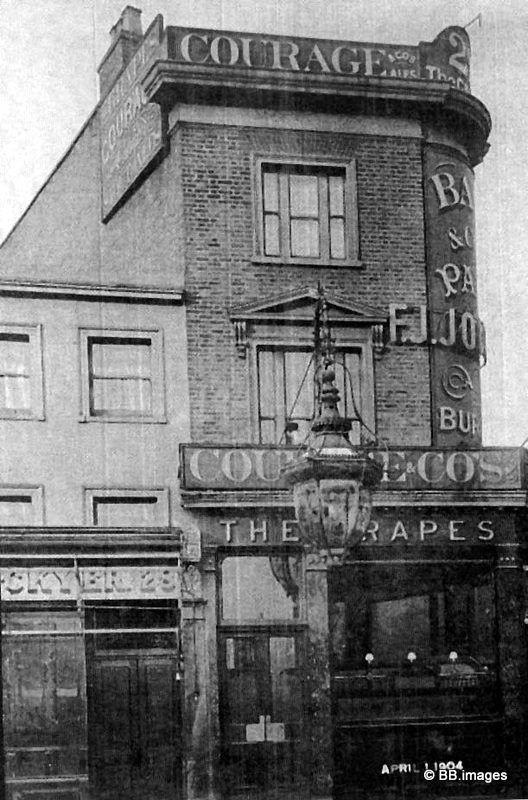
<point>134,703</point>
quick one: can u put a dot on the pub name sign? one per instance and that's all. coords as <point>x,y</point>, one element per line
<point>254,467</point>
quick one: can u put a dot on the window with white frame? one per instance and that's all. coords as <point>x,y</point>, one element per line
<point>286,391</point>
<point>21,395</point>
<point>307,212</point>
<point>127,508</point>
<point>122,376</point>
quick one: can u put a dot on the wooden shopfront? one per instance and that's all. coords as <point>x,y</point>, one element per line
<point>91,668</point>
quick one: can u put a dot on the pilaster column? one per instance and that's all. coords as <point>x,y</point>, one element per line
<point>321,761</point>
<point>200,700</point>
<point>512,659</point>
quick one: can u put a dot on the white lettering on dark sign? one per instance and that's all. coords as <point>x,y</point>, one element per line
<point>260,467</point>
<point>446,59</point>
<point>131,128</point>
<point>454,332</point>
<point>385,528</point>
<point>295,55</point>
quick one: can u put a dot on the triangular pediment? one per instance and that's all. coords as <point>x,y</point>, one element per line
<point>299,306</point>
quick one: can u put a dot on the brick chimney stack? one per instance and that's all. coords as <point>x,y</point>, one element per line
<point>125,36</point>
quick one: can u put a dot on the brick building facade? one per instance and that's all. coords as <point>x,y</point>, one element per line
<point>166,632</point>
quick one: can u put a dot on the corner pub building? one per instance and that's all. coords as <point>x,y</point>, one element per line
<point>166,633</point>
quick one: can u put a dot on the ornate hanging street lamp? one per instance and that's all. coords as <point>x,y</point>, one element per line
<point>332,480</point>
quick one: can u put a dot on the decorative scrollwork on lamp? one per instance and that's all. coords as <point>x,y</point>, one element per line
<point>332,480</point>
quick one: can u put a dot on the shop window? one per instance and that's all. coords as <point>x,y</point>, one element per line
<point>127,508</point>
<point>420,639</point>
<point>44,701</point>
<point>307,212</point>
<point>260,588</point>
<point>431,611</point>
<point>122,376</point>
<point>21,395</point>
<point>286,393</point>
<point>21,506</point>
<point>414,655</point>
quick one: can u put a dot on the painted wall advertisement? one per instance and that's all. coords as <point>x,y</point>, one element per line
<point>254,467</point>
<point>444,59</point>
<point>455,331</point>
<point>131,129</point>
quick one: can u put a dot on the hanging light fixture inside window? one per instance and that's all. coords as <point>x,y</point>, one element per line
<point>332,479</point>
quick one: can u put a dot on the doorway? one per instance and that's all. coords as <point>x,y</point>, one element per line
<point>261,708</point>
<point>133,709</point>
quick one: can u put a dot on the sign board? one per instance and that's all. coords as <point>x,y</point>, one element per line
<point>90,583</point>
<point>456,333</point>
<point>445,59</point>
<point>131,131</point>
<point>403,526</point>
<point>226,467</point>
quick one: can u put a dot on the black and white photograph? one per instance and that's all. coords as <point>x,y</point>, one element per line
<point>263,400</point>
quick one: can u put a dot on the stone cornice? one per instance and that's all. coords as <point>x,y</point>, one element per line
<point>92,291</point>
<point>168,82</point>
<point>72,542</point>
<point>507,499</point>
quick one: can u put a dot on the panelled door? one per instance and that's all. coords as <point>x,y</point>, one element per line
<point>135,747</point>
<point>261,710</point>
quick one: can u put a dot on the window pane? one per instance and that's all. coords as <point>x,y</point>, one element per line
<point>301,434</point>
<point>268,434</point>
<point>267,384</point>
<point>14,354</point>
<point>126,512</point>
<point>111,359</point>
<point>271,191</point>
<point>16,510</point>
<point>128,395</point>
<point>271,235</point>
<point>15,393</point>
<point>281,374</point>
<point>44,695</point>
<point>348,375</point>
<point>337,238</point>
<point>305,237</point>
<point>427,609</point>
<point>286,697</point>
<point>304,196</point>
<point>336,191</point>
<point>250,591</point>
<point>400,626</point>
<point>295,369</point>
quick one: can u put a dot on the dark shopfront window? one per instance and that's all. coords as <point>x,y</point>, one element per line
<point>103,682</point>
<point>44,700</point>
<point>260,660</point>
<point>414,666</point>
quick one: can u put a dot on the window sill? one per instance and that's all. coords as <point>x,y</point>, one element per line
<point>131,419</point>
<point>346,263</point>
<point>22,415</point>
